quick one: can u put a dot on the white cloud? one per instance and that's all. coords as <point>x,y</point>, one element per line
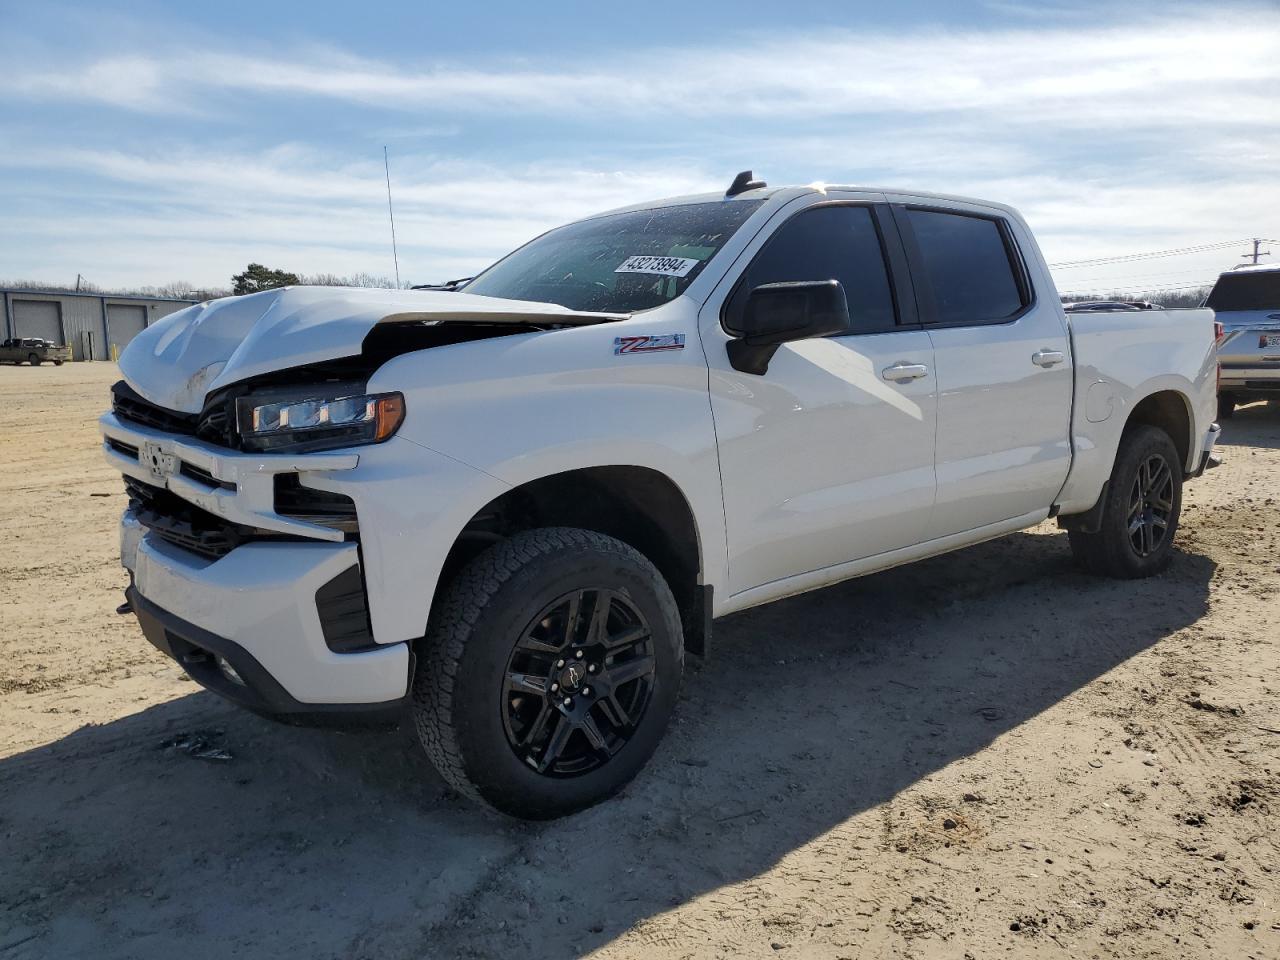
<point>1127,136</point>
<point>1155,69</point>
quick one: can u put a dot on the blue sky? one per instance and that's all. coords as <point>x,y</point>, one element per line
<point>145,143</point>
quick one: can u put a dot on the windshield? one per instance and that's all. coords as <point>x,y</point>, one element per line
<point>1246,291</point>
<point>620,263</point>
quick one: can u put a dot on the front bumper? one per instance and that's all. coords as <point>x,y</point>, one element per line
<point>256,608</point>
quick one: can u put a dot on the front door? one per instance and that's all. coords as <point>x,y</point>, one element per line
<point>828,456</point>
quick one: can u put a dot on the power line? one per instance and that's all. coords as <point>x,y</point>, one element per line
<point>1144,288</point>
<point>1151,255</point>
<point>1143,276</point>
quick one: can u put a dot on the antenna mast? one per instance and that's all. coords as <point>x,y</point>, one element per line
<point>386,162</point>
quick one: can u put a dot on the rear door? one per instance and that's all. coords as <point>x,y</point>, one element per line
<point>1002,361</point>
<point>828,456</point>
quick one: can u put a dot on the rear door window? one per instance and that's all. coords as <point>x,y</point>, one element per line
<point>838,242</point>
<point>969,263</point>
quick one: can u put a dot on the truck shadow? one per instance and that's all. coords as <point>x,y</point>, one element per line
<point>327,844</point>
<point>1255,425</point>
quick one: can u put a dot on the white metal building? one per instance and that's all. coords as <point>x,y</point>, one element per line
<point>95,326</point>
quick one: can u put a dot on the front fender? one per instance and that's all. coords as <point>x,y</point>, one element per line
<point>519,408</point>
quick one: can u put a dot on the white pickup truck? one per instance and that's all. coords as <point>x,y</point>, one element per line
<point>511,509</point>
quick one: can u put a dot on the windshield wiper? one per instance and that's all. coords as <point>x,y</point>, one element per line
<point>451,285</point>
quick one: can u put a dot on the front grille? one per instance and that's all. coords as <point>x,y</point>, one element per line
<point>334,510</point>
<point>183,524</point>
<point>214,424</point>
<point>192,472</point>
<point>128,405</point>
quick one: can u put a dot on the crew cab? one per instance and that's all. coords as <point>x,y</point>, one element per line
<point>1246,301</point>
<point>33,350</point>
<point>511,508</point>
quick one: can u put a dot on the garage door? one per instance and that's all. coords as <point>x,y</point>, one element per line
<point>125,323</point>
<point>38,318</point>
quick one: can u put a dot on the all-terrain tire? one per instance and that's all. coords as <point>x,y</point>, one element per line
<point>1112,551</point>
<point>33,359</point>
<point>460,702</point>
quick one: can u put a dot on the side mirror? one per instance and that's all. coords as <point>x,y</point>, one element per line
<point>777,313</point>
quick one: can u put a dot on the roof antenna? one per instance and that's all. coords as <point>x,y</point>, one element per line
<point>742,183</point>
<point>386,162</point>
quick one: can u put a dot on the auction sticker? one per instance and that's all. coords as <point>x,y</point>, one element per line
<point>661,266</point>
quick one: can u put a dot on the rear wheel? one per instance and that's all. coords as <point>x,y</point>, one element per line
<point>549,672</point>
<point>1226,406</point>
<point>1140,513</point>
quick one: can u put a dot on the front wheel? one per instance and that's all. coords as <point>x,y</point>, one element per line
<point>549,672</point>
<point>1140,512</point>
<point>33,359</point>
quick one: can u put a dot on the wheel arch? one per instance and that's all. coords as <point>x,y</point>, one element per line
<point>638,505</point>
<point>1166,405</point>
<point>1168,410</point>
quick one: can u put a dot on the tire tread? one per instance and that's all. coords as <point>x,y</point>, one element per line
<point>460,609</point>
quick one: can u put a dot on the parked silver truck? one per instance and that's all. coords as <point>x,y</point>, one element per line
<point>1246,301</point>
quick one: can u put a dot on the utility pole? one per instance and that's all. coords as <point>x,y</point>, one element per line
<point>1256,252</point>
<point>77,283</point>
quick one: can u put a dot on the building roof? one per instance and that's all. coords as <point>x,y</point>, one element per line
<point>95,296</point>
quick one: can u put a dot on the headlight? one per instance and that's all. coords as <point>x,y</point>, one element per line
<point>317,423</point>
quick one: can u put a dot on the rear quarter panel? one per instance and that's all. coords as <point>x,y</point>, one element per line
<point>1120,360</point>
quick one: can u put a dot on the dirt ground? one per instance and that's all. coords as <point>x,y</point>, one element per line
<point>984,755</point>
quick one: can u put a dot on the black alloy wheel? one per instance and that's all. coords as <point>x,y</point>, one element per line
<point>549,672</point>
<point>578,682</point>
<point>1139,508</point>
<point>1150,505</point>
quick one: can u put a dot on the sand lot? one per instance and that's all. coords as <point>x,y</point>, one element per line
<point>984,755</point>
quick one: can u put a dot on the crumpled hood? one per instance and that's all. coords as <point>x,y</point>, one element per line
<point>177,361</point>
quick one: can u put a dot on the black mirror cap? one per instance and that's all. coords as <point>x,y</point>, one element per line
<point>777,313</point>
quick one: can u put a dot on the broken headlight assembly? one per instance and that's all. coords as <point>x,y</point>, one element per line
<point>303,422</point>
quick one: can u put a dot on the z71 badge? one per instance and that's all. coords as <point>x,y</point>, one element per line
<point>663,341</point>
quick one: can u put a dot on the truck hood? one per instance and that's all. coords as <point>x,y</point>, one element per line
<point>176,362</point>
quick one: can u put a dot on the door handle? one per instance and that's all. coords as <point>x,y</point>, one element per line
<point>1047,358</point>
<point>901,372</point>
